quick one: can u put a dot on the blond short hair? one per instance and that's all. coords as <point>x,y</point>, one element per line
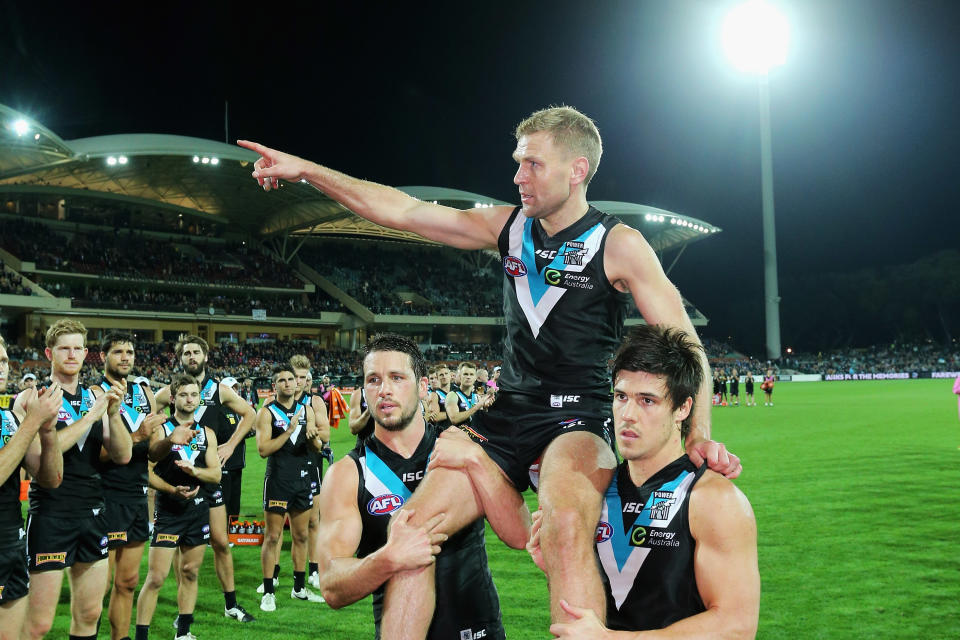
<point>300,362</point>
<point>571,130</point>
<point>65,327</point>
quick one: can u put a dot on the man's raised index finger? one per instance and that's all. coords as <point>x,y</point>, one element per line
<point>253,146</point>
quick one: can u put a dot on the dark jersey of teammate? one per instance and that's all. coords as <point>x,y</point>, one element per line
<point>467,600</point>
<point>367,431</point>
<point>646,550</point>
<point>81,491</point>
<point>442,399</point>
<point>194,452</point>
<point>314,457</point>
<point>128,482</point>
<point>290,460</point>
<point>465,402</point>
<point>563,316</point>
<point>228,425</point>
<point>210,414</point>
<point>11,518</point>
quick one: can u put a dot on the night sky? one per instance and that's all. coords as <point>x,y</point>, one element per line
<point>865,131</point>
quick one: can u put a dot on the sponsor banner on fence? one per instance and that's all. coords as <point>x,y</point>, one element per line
<point>890,375</point>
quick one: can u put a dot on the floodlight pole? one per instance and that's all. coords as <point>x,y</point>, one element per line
<point>771,292</point>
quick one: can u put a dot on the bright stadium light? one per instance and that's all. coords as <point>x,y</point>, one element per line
<point>122,159</point>
<point>36,136</point>
<point>205,161</point>
<point>196,159</point>
<point>756,37</point>
<point>20,127</point>
<point>214,161</point>
<point>112,161</point>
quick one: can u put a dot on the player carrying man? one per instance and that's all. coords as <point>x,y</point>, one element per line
<point>364,489</point>
<point>569,270</point>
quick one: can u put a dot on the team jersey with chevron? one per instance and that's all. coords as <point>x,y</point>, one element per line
<point>10,516</point>
<point>465,402</point>
<point>314,457</point>
<point>128,482</point>
<point>386,482</point>
<point>193,452</point>
<point>646,550</point>
<point>81,490</point>
<point>290,460</point>
<point>563,317</point>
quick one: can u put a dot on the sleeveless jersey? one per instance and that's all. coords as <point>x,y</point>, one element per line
<point>208,413</point>
<point>314,457</point>
<point>386,481</point>
<point>289,461</point>
<point>367,431</point>
<point>464,402</point>
<point>646,550</point>
<point>195,452</point>
<point>81,490</point>
<point>128,482</point>
<point>11,518</point>
<point>442,399</point>
<point>563,317</point>
<point>228,424</point>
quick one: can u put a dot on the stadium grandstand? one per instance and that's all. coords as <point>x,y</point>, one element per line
<point>164,235</point>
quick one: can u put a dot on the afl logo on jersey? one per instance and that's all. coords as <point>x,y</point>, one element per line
<point>383,505</point>
<point>604,532</point>
<point>514,267</point>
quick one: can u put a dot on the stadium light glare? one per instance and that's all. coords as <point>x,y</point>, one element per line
<point>36,136</point>
<point>20,127</point>
<point>122,159</point>
<point>214,161</point>
<point>660,219</point>
<point>112,161</point>
<point>205,161</point>
<point>196,159</point>
<point>756,37</point>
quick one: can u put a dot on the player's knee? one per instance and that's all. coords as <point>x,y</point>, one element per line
<point>564,528</point>
<point>126,583</point>
<point>88,613</point>
<point>154,580</point>
<point>189,571</point>
<point>35,628</point>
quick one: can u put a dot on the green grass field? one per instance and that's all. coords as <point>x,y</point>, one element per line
<point>856,494</point>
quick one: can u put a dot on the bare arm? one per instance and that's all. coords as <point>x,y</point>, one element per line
<point>160,445</point>
<point>502,504</point>
<point>344,578</point>
<point>321,419</point>
<point>211,472</point>
<point>162,399</point>
<point>632,266</point>
<point>116,437</point>
<point>230,399</point>
<point>313,434</point>
<point>358,419</point>
<point>35,442</point>
<point>69,435</point>
<point>455,415</point>
<point>266,444</point>
<point>386,206</point>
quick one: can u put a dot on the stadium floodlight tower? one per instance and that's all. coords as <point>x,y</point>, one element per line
<point>756,37</point>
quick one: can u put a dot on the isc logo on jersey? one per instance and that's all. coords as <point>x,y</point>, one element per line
<point>385,504</point>
<point>604,532</point>
<point>469,634</point>
<point>514,267</point>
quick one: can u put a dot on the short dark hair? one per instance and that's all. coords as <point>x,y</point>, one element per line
<point>665,351</point>
<point>181,380</point>
<point>396,342</point>
<point>115,337</point>
<point>280,368</point>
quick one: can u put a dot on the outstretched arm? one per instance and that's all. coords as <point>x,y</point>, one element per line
<point>358,419</point>
<point>346,579</point>
<point>232,401</point>
<point>386,206</point>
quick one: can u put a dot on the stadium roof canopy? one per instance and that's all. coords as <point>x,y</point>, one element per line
<point>211,180</point>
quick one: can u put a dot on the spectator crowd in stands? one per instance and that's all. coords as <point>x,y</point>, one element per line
<point>12,283</point>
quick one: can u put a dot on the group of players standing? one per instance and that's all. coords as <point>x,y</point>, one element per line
<point>95,454</point>
<point>721,381</point>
